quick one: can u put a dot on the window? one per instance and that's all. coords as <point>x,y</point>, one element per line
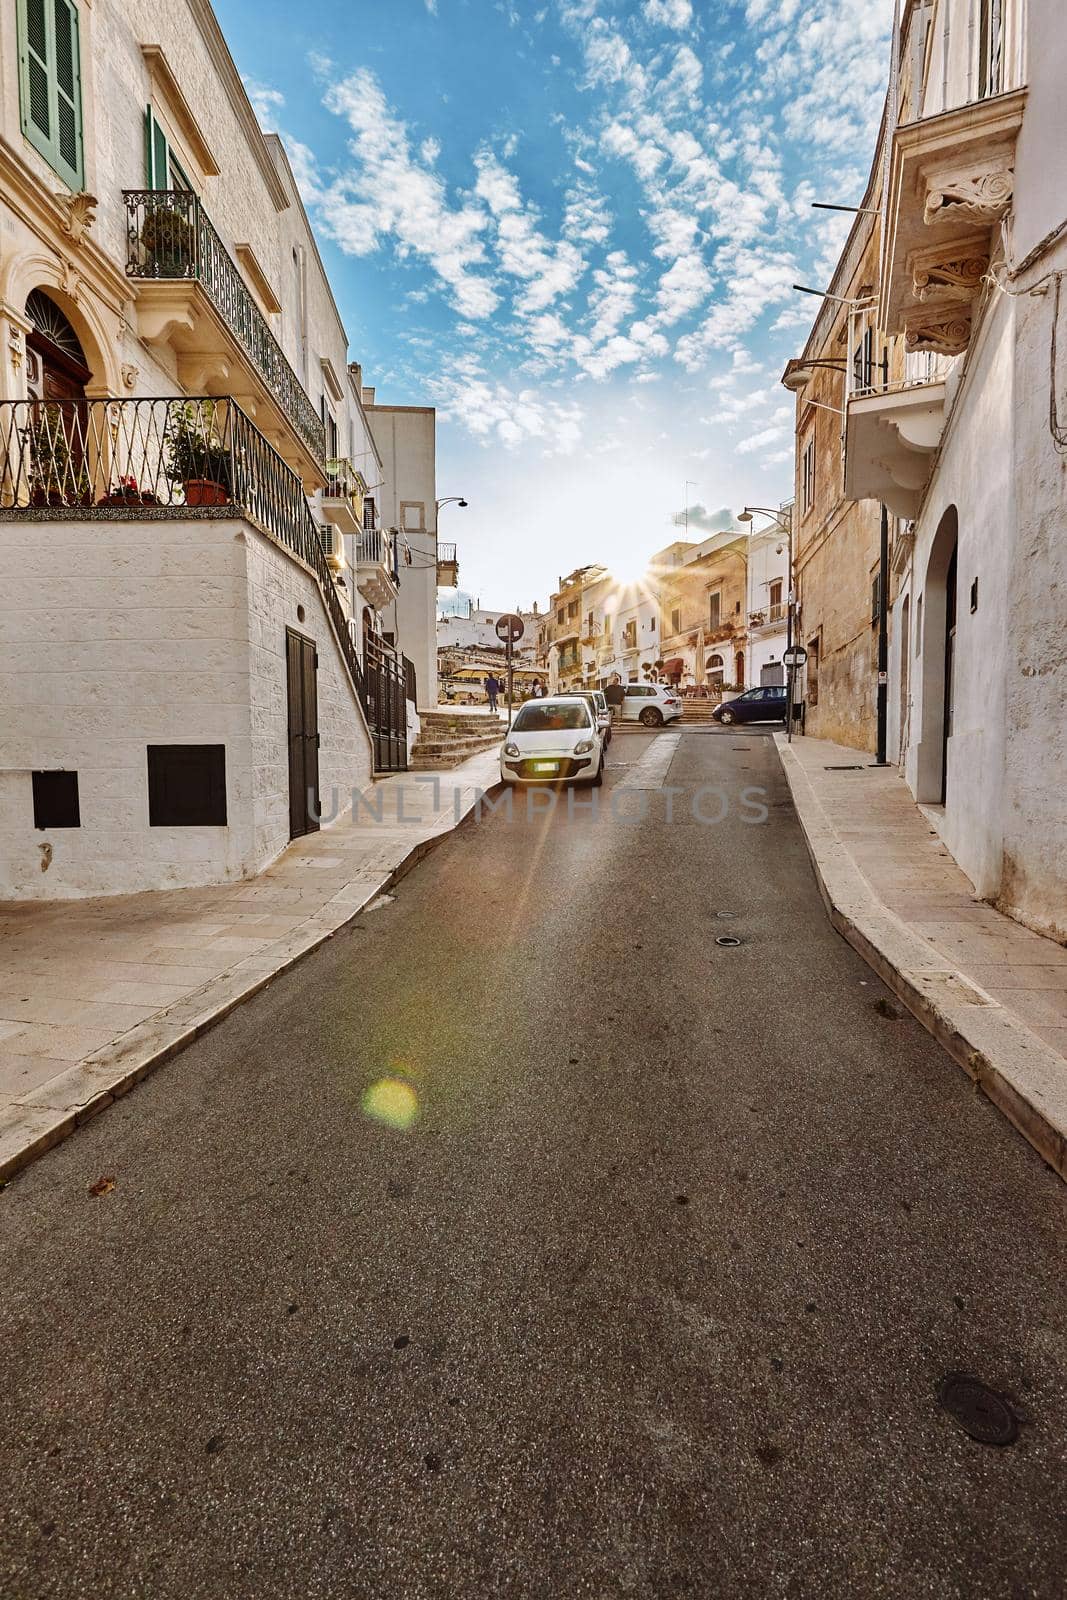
<point>572,608</point>
<point>876,598</point>
<point>990,47</point>
<point>808,473</point>
<point>715,609</point>
<point>163,170</point>
<point>186,785</point>
<point>676,620</point>
<point>776,592</point>
<point>50,93</point>
<point>863,362</point>
<point>560,614</point>
<point>55,800</point>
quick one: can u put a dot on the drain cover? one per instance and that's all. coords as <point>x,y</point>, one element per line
<point>843,769</point>
<point>726,916</point>
<point>728,941</point>
<point>979,1410</point>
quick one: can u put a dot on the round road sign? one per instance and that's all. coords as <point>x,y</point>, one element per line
<point>510,627</point>
<point>795,656</point>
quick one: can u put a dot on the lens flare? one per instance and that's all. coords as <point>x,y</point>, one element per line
<point>391,1101</point>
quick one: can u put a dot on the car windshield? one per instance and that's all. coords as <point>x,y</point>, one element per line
<point>548,718</point>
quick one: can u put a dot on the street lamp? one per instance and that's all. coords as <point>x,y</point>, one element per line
<point>784,525</point>
<point>450,500</point>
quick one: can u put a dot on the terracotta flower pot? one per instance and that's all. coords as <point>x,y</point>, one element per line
<point>205,492</point>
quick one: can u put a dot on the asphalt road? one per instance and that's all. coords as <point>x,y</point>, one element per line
<point>651,1298</point>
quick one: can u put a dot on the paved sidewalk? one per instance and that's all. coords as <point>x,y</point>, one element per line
<point>991,991</point>
<point>94,993</point>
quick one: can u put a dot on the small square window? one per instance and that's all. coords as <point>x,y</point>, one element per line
<point>55,800</point>
<point>186,785</point>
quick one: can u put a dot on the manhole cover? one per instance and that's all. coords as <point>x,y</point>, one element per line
<point>979,1410</point>
<point>728,941</point>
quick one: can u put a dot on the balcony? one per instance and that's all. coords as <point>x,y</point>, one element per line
<point>376,575</point>
<point>770,617</point>
<point>193,301</point>
<point>447,567</point>
<point>342,498</point>
<point>894,418</point>
<point>950,184</point>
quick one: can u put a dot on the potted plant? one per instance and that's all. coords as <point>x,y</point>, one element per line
<point>128,492</point>
<point>168,242</point>
<point>198,458</point>
<point>55,478</point>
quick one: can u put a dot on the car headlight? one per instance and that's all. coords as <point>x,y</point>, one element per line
<point>583,747</point>
<point>511,749</point>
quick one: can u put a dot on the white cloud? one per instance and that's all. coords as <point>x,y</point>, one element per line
<point>388,192</point>
<point>669,13</point>
<point>524,251</point>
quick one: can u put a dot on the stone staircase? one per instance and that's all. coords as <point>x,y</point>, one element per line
<point>447,737</point>
<point>698,712</point>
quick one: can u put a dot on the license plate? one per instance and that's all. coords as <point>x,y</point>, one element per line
<point>546,766</point>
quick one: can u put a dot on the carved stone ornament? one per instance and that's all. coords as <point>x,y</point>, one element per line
<point>953,274</point>
<point>973,196</point>
<point>79,214</point>
<point>14,347</point>
<point>946,331</point>
<point>129,374</point>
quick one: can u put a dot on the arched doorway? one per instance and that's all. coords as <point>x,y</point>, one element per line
<point>57,368</point>
<point>59,460</point>
<point>715,667</point>
<point>938,662</point>
<point>739,670</point>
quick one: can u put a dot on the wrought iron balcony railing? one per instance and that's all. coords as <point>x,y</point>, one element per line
<point>374,547</point>
<point>170,236</point>
<point>93,457</point>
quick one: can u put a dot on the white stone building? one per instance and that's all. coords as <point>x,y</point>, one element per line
<point>768,599</point>
<point>957,422</point>
<point>185,461</point>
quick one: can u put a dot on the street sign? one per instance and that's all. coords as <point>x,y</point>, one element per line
<point>510,628</point>
<point>795,656</point>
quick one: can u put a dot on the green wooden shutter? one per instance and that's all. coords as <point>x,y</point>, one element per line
<point>50,84</point>
<point>157,153</point>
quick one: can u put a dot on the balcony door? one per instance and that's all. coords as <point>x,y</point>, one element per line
<point>302,691</point>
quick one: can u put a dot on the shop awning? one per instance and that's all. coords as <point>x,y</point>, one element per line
<point>674,667</point>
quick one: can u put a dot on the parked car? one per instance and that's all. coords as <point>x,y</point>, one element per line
<point>766,704</point>
<point>597,699</point>
<point>652,704</point>
<point>553,740</point>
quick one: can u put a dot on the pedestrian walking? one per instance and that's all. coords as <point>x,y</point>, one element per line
<point>492,689</point>
<point>615,695</point>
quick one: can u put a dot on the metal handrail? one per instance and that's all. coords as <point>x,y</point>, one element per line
<point>169,235</point>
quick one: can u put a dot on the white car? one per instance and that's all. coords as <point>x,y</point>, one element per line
<point>553,740</point>
<point>652,704</point>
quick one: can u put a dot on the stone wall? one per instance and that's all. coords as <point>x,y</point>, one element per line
<point>118,633</point>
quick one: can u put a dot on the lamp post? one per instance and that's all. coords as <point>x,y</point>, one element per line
<point>784,525</point>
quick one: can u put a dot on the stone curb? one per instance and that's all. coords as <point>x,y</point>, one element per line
<point>1023,1077</point>
<point>47,1116</point>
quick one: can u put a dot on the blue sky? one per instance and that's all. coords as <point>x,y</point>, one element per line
<point>572,226</point>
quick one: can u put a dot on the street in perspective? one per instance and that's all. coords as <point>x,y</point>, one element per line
<point>533,1020</point>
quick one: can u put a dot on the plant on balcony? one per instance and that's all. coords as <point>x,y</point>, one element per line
<point>198,458</point>
<point>55,478</point>
<point>128,492</point>
<point>168,242</point>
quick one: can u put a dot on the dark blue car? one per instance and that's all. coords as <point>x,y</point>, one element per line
<point>766,704</point>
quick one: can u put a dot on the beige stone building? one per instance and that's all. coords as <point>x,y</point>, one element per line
<point>703,598</point>
<point>951,411</point>
<point>194,568</point>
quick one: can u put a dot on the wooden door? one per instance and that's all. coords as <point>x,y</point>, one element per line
<point>302,690</point>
